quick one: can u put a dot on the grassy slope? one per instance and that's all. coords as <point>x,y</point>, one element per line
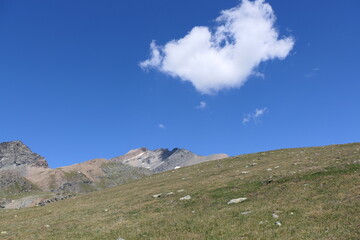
<point>315,190</point>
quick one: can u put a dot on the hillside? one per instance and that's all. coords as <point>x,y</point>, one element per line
<point>305,193</point>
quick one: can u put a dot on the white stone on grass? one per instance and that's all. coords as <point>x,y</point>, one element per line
<point>187,197</point>
<point>245,213</point>
<point>237,200</point>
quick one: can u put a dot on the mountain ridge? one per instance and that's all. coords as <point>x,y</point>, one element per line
<point>22,170</point>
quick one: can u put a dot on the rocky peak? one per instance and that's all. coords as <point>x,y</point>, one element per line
<point>16,153</point>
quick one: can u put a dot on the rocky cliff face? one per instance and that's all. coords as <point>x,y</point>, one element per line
<point>161,160</point>
<point>16,154</point>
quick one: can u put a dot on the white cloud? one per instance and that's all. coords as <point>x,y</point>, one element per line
<point>162,126</point>
<point>201,105</point>
<point>246,118</point>
<point>223,58</point>
<point>255,115</point>
<point>259,112</point>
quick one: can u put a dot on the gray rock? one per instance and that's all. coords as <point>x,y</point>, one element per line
<point>16,153</point>
<point>161,160</point>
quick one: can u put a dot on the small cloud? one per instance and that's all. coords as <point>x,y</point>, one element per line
<point>314,70</point>
<point>255,115</point>
<point>162,126</point>
<point>224,56</point>
<point>258,74</point>
<point>259,112</point>
<point>246,118</point>
<point>201,105</point>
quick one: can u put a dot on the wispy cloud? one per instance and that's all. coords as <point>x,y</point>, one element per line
<point>254,116</point>
<point>224,58</point>
<point>202,105</point>
<point>162,126</point>
<point>312,73</point>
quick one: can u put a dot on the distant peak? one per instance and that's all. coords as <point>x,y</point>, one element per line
<point>16,153</point>
<point>142,149</point>
<point>13,142</point>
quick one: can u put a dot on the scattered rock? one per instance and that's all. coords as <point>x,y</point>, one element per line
<point>245,172</point>
<point>53,199</point>
<point>47,226</point>
<point>253,164</point>
<point>267,182</point>
<point>278,224</point>
<point>181,190</point>
<point>276,167</point>
<point>275,215</point>
<point>170,193</point>
<point>237,200</point>
<point>269,169</point>
<point>3,232</point>
<point>187,197</point>
<point>177,167</point>
<point>105,210</point>
<point>157,195</point>
<point>245,213</point>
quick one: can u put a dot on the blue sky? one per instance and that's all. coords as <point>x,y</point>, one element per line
<point>72,88</point>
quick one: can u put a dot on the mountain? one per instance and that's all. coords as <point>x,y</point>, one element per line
<point>303,193</point>
<point>22,170</point>
<point>161,160</point>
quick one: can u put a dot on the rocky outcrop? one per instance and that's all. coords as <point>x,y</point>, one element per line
<point>13,154</point>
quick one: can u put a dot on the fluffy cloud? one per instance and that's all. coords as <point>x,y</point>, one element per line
<point>254,116</point>
<point>201,105</point>
<point>223,58</point>
<point>162,126</point>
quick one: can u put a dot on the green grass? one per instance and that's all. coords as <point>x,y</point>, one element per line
<point>315,192</point>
